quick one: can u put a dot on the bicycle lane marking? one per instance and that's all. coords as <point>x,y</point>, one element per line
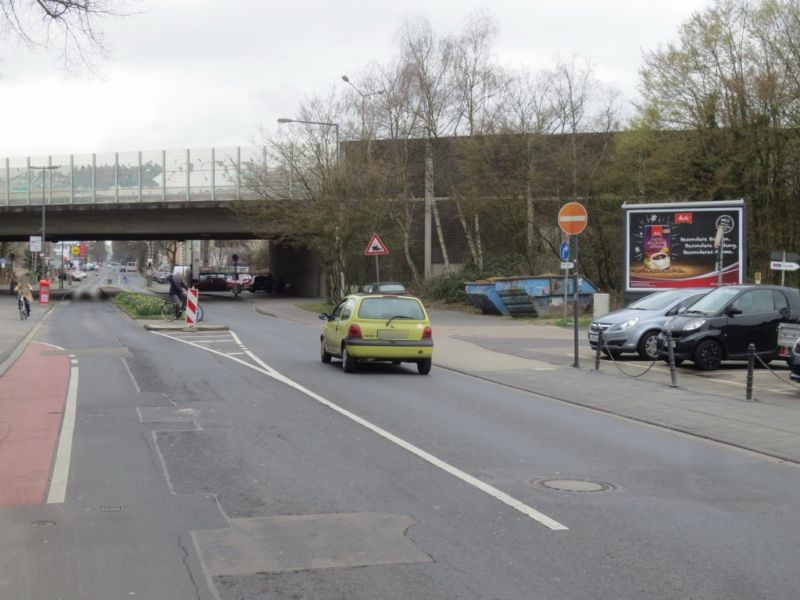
<point>33,394</point>
<point>261,367</point>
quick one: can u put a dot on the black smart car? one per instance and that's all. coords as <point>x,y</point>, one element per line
<point>724,322</point>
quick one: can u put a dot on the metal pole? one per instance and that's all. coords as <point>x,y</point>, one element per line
<point>751,363</point>
<point>575,304</point>
<point>783,273</point>
<point>719,258</point>
<point>377,271</point>
<point>566,285</point>
<point>44,235</point>
<point>673,375</point>
<point>597,350</point>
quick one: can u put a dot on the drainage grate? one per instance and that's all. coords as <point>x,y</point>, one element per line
<point>112,508</point>
<point>571,484</point>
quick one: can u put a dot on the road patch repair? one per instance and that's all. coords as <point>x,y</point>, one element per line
<point>300,542</point>
<point>33,394</point>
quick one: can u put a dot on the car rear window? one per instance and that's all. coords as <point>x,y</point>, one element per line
<point>386,308</point>
<point>391,287</point>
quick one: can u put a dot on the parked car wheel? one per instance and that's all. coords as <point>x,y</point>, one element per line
<point>424,366</point>
<point>708,355</point>
<point>324,354</point>
<point>647,347</point>
<point>348,362</point>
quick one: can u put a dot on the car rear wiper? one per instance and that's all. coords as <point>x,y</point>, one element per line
<point>397,317</point>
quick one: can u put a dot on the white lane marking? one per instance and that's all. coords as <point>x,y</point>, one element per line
<point>419,452</point>
<point>58,482</point>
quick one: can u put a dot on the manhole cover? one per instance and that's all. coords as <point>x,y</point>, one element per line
<point>572,485</point>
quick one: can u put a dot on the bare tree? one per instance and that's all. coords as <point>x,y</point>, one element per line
<point>430,60</point>
<point>70,26</point>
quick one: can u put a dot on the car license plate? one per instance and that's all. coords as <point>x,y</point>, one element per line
<point>392,334</point>
<point>592,337</point>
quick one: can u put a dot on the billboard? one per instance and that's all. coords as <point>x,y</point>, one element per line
<point>674,245</point>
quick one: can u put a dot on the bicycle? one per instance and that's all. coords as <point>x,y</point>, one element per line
<point>24,311</point>
<point>169,312</point>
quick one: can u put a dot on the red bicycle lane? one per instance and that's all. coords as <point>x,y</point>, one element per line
<point>33,395</point>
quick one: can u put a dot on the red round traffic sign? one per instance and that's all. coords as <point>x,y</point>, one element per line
<point>572,218</point>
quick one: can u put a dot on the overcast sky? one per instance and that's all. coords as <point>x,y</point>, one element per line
<point>202,73</point>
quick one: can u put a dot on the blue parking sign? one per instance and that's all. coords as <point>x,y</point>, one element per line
<point>563,251</point>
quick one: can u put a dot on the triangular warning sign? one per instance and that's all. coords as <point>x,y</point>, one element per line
<point>375,247</point>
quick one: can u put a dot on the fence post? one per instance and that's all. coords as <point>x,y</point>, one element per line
<point>673,375</point>
<point>751,363</point>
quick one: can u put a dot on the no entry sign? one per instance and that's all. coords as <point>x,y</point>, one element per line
<point>572,218</point>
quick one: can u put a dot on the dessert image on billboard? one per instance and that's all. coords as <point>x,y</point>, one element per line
<point>657,256</point>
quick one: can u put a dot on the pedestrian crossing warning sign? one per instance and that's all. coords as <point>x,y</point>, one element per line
<point>375,247</point>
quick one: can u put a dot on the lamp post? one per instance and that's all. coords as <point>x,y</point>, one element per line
<point>339,276</point>
<point>364,97</point>
<point>44,217</point>
<point>323,123</point>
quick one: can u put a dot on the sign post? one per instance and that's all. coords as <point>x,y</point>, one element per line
<point>563,252</point>
<point>572,219</point>
<point>784,261</point>
<point>376,248</point>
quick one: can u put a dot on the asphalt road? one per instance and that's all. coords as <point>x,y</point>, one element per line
<point>236,465</point>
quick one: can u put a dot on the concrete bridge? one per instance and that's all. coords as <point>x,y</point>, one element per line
<point>164,194</point>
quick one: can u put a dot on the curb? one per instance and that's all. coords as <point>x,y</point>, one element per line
<point>159,327</point>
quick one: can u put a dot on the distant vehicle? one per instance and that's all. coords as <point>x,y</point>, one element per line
<point>132,267</point>
<point>243,280</point>
<point>386,287</point>
<point>372,327</point>
<point>77,275</point>
<point>182,270</point>
<point>722,324</point>
<point>635,328</point>
<point>261,283</point>
<point>211,282</point>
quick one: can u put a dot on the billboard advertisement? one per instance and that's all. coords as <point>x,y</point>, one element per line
<point>674,245</point>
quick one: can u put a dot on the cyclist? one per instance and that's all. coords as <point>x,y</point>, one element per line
<point>24,294</point>
<point>177,292</point>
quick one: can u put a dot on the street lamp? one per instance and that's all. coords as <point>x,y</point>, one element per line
<point>364,97</point>
<point>323,123</point>
<point>44,218</point>
<point>339,277</point>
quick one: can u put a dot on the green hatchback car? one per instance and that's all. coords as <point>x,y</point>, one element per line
<point>377,327</point>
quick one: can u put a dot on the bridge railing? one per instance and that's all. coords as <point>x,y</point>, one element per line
<point>187,175</point>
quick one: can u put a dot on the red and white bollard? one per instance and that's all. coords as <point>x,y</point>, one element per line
<point>191,306</point>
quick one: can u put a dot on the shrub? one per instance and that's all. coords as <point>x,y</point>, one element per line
<point>449,288</point>
<point>139,306</point>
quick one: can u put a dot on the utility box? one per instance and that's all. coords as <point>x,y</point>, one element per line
<point>601,305</point>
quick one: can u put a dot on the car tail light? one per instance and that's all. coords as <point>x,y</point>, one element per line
<point>427,333</point>
<point>354,331</point>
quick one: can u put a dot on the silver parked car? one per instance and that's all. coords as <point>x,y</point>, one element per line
<point>635,328</point>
